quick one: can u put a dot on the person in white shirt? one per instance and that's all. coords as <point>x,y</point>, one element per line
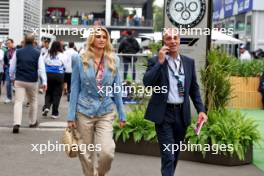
<point>68,67</point>
<point>2,54</point>
<point>244,54</point>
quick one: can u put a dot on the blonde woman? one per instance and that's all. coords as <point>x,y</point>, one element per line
<point>91,108</point>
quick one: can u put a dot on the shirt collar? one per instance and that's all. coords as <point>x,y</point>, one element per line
<point>168,57</point>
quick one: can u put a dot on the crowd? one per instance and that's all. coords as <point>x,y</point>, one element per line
<point>24,67</point>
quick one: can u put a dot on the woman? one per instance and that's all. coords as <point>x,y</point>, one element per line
<point>91,110</point>
<point>54,62</point>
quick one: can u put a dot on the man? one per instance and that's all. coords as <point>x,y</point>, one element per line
<point>170,110</point>
<point>2,53</point>
<point>25,67</point>
<point>68,67</point>
<point>129,46</point>
<point>8,56</point>
<point>244,54</point>
<point>45,46</point>
<point>43,52</point>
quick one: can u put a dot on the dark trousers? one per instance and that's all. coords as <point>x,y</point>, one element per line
<point>1,77</point>
<point>170,132</point>
<point>127,61</point>
<point>54,92</point>
<point>67,79</point>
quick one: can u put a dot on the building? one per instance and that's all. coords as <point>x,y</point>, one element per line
<point>18,18</point>
<point>245,17</point>
<point>64,18</point>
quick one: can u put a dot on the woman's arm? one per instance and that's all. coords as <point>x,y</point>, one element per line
<point>75,88</point>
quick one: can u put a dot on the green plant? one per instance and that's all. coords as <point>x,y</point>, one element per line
<point>215,80</point>
<point>248,68</point>
<point>136,126</point>
<point>226,127</point>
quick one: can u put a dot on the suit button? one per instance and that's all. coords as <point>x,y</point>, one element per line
<point>101,98</point>
<point>87,83</point>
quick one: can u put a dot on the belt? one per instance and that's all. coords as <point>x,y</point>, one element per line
<point>174,106</point>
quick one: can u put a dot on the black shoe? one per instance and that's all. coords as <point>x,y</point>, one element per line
<point>16,128</point>
<point>35,125</point>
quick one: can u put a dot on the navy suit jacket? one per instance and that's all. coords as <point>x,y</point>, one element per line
<point>157,75</point>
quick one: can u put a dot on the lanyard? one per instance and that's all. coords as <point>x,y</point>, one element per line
<point>179,70</point>
<point>98,67</point>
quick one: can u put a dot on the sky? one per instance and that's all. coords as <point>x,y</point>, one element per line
<point>159,2</point>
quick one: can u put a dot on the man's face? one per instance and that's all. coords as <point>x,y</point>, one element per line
<point>46,44</point>
<point>172,40</point>
<point>9,44</point>
<point>242,50</point>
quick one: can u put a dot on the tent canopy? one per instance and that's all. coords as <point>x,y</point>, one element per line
<point>218,37</point>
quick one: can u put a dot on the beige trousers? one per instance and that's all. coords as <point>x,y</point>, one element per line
<point>97,130</point>
<point>31,90</point>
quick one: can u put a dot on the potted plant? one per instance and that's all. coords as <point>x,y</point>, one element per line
<point>138,136</point>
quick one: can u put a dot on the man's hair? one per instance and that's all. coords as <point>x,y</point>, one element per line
<point>129,32</point>
<point>11,40</point>
<point>71,44</point>
<point>29,38</point>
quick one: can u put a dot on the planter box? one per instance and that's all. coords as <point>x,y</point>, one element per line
<point>245,93</point>
<point>152,149</point>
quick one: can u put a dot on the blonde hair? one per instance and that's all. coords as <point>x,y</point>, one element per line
<point>90,50</point>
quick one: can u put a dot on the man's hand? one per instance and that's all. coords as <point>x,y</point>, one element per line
<point>122,124</point>
<point>202,116</point>
<point>44,87</point>
<point>162,53</point>
<point>72,124</point>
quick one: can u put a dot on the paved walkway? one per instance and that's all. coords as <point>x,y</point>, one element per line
<point>18,159</point>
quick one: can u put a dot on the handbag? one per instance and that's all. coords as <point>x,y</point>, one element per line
<point>70,142</point>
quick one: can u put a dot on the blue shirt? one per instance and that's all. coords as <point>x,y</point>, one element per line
<point>173,96</point>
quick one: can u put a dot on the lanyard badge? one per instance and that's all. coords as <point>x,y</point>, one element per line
<point>180,79</point>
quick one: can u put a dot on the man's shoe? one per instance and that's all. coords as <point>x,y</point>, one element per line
<point>16,128</point>
<point>54,116</point>
<point>45,112</point>
<point>7,101</point>
<point>35,125</point>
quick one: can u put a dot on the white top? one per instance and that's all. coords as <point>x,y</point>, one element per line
<point>245,56</point>
<point>68,59</point>
<point>1,60</point>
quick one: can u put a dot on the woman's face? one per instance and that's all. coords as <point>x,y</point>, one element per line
<point>100,39</point>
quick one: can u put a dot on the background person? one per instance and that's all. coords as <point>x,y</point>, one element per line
<point>129,45</point>
<point>8,56</point>
<point>25,67</point>
<point>92,111</point>
<point>244,54</point>
<point>54,62</point>
<point>2,54</point>
<point>70,52</point>
<point>170,111</point>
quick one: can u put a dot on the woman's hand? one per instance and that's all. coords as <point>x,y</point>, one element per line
<point>122,124</point>
<point>72,124</point>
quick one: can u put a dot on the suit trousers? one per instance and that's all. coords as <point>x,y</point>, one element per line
<point>31,90</point>
<point>170,132</point>
<point>96,130</point>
